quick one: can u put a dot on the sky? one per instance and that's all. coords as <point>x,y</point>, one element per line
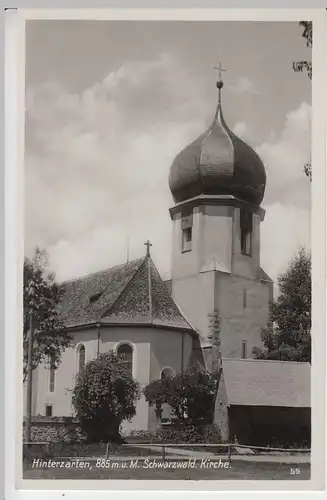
<point>109,104</point>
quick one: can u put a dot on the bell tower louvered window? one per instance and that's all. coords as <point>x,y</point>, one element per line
<point>187,226</point>
<point>246,232</point>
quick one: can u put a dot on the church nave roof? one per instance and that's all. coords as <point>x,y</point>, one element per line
<point>129,294</point>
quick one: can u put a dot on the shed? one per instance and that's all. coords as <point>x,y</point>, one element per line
<point>264,402</point>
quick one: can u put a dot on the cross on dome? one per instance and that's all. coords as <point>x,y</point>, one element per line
<point>220,69</point>
<point>148,244</point>
<point>219,82</point>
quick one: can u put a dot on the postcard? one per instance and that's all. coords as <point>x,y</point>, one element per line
<point>170,271</point>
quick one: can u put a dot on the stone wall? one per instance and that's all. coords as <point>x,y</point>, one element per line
<point>53,429</point>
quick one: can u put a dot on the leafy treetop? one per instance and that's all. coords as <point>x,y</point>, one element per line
<point>288,336</point>
<point>41,297</point>
<point>190,394</point>
<point>104,395</point>
<point>306,65</point>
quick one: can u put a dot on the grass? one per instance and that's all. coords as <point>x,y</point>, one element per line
<point>91,450</point>
<point>236,470</point>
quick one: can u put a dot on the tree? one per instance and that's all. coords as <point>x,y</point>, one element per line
<point>41,297</point>
<point>190,394</point>
<point>214,337</point>
<point>288,337</point>
<point>305,65</point>
<point>104,395</point>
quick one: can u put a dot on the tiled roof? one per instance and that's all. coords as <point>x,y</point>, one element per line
<point>132,293</point>
<point>267,383</point>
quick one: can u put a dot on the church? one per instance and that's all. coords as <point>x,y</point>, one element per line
<point>161,327</point>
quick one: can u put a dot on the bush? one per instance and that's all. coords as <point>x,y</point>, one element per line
<point>140,435</point>
<point>105,395</point>
<point>190,394</point>
<point>189,434</point>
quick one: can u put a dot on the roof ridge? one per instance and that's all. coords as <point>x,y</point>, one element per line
<point>132,277</point>
<point>99,272</point>
<point>150,288</point>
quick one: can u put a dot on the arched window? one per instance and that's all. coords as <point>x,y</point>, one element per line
<point>167,372</point>
<point>81,358</point>
<point>125,351</point>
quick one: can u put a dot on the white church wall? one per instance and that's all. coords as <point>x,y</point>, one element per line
<point>195,296</point>
<point>216,233</point>
<point>60,398</point>
<point>140,339</point>
<point>217,229</point>
<point>244,265</point>
<point>186,263</point>
<point>243,305</point>
<point>166,351</point>
<point>153,349</point>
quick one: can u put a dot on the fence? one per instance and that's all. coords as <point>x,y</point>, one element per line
<point>230,447</point>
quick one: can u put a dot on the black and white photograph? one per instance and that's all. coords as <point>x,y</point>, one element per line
<point>166,329</point>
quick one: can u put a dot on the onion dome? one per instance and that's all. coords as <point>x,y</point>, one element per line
<point>218,163</point>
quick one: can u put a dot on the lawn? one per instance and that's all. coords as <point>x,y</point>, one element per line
<point>236,470</point>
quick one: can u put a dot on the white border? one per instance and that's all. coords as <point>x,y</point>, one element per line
<point>14,249</point>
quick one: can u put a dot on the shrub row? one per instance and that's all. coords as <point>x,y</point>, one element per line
<point>181,434</point>
<point>53,432</point>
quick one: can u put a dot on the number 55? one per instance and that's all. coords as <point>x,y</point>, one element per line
<point>294,472</point>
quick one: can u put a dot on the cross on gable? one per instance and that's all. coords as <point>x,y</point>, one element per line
<point>148,245</point>
<point>220,69</point>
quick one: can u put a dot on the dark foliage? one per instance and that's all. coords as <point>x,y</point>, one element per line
<point>104,396</point>
<point>288,337</point>
<point>41,297</point>
<point>190,394</point>
<point>189,434</point>
<point>306,66</point>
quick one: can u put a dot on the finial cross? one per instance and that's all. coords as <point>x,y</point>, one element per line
<point>148,245</point>
<point>220,69</point>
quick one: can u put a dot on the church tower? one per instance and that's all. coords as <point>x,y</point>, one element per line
<point>218,183</point>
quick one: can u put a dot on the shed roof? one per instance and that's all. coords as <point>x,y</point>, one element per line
<point>252,382</point>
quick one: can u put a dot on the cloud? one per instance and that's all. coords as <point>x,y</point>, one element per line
<point>244,85</point>
<point>285,158</point>
<point>284,230</point>
<point>243,131</point>
<point>97,168</point>
<point>97,164</point>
